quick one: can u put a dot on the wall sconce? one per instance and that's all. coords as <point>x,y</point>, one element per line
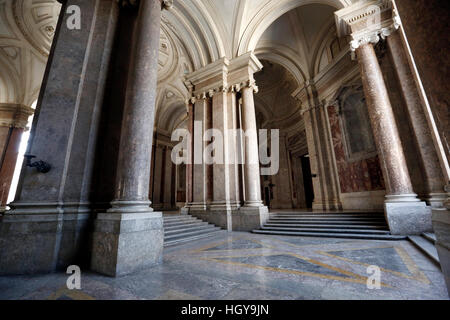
<point>41,166</point>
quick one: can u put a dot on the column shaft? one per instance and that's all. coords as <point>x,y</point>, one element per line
<point>386,135</point>
<point>189,167</point>
<point>132,184</point>
<point>8,163</point>
<point>434,179</point>
<point>251,159</point>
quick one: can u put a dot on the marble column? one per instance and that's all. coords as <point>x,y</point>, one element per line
<point>158,177</point>
<point>13,123</point>
<point>190,153</point>
<point>199,185</point>
<point>429,161</point>
<point>130,235</point>
<point>405,213</point>
<point>251,152</point>
<point>48,226</point>
<point>426,22</point>
<point>8,163</point>
<point>254,213</point>
<point>168,185</point>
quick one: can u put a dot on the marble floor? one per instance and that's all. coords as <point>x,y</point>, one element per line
<point>241,266</point>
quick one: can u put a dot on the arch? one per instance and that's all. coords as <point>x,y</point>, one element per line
<point>264,18</point>
<point>284,57</point>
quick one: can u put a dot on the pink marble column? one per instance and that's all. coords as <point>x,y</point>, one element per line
<point>9,163</point>
<point>386,134</point>
<point>434,179</point>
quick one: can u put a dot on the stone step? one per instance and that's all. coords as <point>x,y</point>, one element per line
<point>372,223</point>
<point>332,235</point>
<point>430,237</point>
<point>426,247</point>
<point>327,219</point>
<point>184,225</point>
<point>177,217</point>
<point>187,229</point>
<point>168,243</point>
<point>189,233</point>
<point>328,230</point>
<point>332,226</point>
<point>327,215</point>
<point>176,223</point>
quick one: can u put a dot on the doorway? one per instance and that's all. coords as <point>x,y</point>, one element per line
<point>307,181</point>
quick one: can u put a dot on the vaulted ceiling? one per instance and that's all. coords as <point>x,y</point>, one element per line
<point>289,34</point>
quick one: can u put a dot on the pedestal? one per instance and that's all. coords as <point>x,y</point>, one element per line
<point>250,218</point>
<point>125,243</point>
<point>408,217</point>
<point>441,225</point>
<point>42,243</point>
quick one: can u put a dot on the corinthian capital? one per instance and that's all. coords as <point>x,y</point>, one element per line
<point>367,21</point>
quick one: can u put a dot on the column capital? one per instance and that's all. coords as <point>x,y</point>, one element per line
<point>367,21</point>
<point>225,75</point>
<point>14,115</point>
<point>211,78</point>
<point>246,84</point>
<point>242,69</point>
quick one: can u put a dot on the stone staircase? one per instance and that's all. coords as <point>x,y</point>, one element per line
<point>426,244</point>
<point>185,228</point>
<point>352,225</point>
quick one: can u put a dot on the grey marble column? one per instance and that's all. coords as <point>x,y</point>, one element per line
<point>405,213</point>
<point>251,151</point>
<point>130,235</point>
<point>434,178</point>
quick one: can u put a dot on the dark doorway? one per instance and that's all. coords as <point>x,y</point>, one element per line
<point>307,181</point>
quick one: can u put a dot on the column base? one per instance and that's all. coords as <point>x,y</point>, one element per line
<point>407,215</point>
<point>42,242</point>
<point>124,243</point>
<point>185,210</point>
<point>250,218</point>
<point>437,200</point>
<point>441,226</point>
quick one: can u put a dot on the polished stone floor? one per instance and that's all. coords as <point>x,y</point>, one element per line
<point>240,266</point>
